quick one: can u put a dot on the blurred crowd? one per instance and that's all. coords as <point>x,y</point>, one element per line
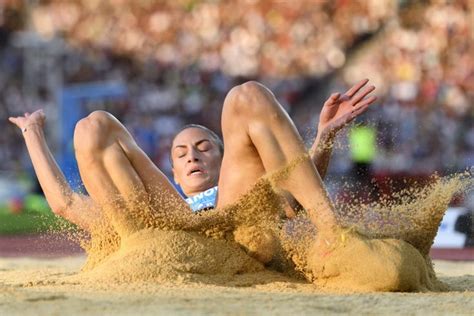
<point>423,65</point>
<point>178,59</point>
<point>243,38</point>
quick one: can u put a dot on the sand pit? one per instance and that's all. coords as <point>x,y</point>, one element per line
<point>223,252</point>
<point>208,266</point>
<point>25,291</point>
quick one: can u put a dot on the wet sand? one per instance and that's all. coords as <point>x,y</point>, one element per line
<point>24,290</point>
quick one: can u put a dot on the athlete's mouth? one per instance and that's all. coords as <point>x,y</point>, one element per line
<point>195,171</point>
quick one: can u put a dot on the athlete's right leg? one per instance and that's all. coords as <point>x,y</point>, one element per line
<point>121,179</point>
<point>259,139</point>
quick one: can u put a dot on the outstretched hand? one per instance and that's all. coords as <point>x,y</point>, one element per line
<point>339,110</point>
<point>35,118</point>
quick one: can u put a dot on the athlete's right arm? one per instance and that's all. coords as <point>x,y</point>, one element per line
<point>76,208</point>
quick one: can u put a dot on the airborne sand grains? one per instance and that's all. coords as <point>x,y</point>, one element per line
<point>386,245</point>
<point>219,246</point>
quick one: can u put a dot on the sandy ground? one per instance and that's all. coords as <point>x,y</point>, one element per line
<point>26,289</point>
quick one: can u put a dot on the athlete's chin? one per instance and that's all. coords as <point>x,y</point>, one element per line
<point>201,184</point>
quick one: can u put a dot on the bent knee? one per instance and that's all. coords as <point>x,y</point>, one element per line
<point>250,99</point>
<point>252,88</point>
<point>102,117</point>
<point>94,131</point>
<point>246,92</point>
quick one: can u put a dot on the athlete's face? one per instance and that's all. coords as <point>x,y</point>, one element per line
<point>196,161</point>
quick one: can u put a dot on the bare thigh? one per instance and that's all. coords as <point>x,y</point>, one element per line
<point>253,125</point>
<point>259,138</point>
<point>121,178</point>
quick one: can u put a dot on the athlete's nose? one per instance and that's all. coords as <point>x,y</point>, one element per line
<point>192,155</point>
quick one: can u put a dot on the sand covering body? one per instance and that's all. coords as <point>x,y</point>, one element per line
<point>209,254</point>
<point>223,253</point>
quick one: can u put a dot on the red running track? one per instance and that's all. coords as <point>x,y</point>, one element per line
<point>458,254</point>
<point>40,246</point>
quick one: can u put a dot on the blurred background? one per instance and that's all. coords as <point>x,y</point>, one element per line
<point>158,65</point>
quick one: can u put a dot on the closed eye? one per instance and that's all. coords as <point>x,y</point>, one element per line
<point>204,146</point>
<point>180,152</point>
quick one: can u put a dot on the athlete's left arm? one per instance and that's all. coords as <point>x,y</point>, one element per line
<point>337,112</point>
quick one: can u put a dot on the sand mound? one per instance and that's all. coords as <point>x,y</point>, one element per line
<point>385,246</point>
<point>392,258</point>
<point>359,264</point>
<point>163,256</point>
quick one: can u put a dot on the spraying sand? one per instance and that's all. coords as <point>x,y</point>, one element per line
<point>370,254</point>
<point>204,271</point>
<point>386,245</point>
<point>380,247</point>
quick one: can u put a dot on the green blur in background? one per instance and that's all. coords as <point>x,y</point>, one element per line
<point>30,216</point>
